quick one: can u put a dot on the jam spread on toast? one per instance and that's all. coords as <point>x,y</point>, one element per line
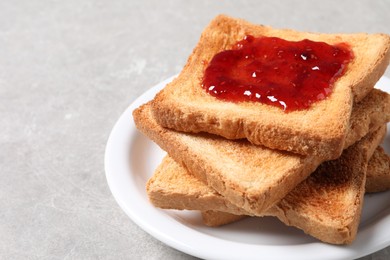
<point>270,70</point>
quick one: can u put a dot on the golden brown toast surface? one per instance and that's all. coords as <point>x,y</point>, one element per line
<point>183,105</point>
<point>378,172</point>
<point>251,177</point>
<point>327,205</point>
<point>377,180</point>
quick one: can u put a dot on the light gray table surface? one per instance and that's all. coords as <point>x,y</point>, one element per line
<point>68,69</point>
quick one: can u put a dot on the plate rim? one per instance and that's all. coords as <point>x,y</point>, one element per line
<point>205,250</point>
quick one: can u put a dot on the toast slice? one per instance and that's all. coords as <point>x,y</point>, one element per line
<point>215,218</point>
<point>250,176</point>
<point>378,172</point>
<point>183,105</point>
<point>327,205</point>
<point>377,180</point>
<point>173,187</point>
<point>193,194</point>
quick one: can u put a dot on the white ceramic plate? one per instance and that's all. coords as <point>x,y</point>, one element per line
<point>130,160</point>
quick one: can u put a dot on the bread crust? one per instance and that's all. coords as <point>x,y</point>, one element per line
<point>213,218</point>
<point>327,205</point>
<point>251,177</point>
<point>366,114</point>
<point>184,106</point>
<point>378,172</point>
<point>377,180</point>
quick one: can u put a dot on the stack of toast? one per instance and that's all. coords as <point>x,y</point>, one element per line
<point>309,168</point>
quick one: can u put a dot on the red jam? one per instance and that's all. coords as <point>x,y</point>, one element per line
<point>270,70</point>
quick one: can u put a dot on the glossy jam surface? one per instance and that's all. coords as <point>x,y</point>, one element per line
<point>289,75</point>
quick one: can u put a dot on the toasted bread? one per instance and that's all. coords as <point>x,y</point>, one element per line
<point>378,172</point>
<point>377,180</point>
<point>215,218</point>
<point>183,105</point>
<point>173,187</point>
<point>327,205</point>
<point>252,177</point>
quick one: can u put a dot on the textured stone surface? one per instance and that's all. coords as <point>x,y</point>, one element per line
<point>68,69</point>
